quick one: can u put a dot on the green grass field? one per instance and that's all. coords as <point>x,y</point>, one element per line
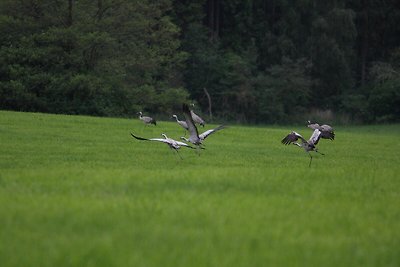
<point>80,191</point>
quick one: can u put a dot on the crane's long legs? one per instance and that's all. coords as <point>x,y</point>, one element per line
<point>198,148</point>
<point>296,144</point>
<point>311,156</point>
<point>178,153</point>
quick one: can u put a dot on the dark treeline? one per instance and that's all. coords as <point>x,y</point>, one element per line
<point>257,61</point>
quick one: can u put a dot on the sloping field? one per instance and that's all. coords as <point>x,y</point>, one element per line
<point>80,191</point>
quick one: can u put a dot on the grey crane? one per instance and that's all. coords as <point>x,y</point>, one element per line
<point>196,118</point>
<point>146,120</point>
<point>181,123</point>
<point>308,145</point>
<point>327,131</point>
<point>194,137</point>
<point>205,134</point>
<point>173,144</point>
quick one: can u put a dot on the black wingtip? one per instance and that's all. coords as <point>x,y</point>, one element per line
<point>137,137</point>
<point>285,141</point>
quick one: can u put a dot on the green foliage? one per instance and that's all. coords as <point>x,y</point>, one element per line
<point>384,98</point>
<point>90,59</point>
<point>80,191</point>
<point>332,52</point>
<point>236,87</point>
<point>285,91</point>
<point>357,107</point>
<point>150,55</point>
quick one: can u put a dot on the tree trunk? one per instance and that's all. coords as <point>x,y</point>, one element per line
<point>211,18</point>
<point>213,14</point>
<point>217,19</point>
<point>69,16</point>
<point>364,43</point>
<point>209,102</point>
<point>99,9</point>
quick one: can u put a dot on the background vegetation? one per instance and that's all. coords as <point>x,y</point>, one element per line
<point>261,61</point>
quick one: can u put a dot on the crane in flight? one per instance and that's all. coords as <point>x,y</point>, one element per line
<point>196,118</point>
<point>327,131</point>
<point>308,145</point>
<point>196,138</point>
<point>173,144</point>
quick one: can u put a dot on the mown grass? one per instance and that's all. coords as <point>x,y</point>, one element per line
<point>80,191</point>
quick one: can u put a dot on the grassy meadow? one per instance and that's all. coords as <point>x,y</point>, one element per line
<point>80,191</point>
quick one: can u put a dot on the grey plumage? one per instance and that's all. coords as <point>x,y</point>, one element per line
<point>308,145</point>
<point>181,123</point>
<point>173,144</point>
<point>211,131</point>
<point>327,131</point>
<point>196,138</point>
<point>147,120</point>
<point>197,119</point>
<point>191,127</point>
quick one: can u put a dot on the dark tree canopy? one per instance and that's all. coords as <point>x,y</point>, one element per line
<point>260,61</point>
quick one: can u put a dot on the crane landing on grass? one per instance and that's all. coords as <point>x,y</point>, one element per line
<point>308,145</point>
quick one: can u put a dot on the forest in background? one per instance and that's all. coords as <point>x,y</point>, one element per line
<point>255,61</point>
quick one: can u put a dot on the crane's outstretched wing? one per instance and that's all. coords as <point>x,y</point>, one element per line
<point>292,137</point>
<point>314,139</point>
<point>211,131</point>
<point>151,139</point>
<point>327,132</point>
